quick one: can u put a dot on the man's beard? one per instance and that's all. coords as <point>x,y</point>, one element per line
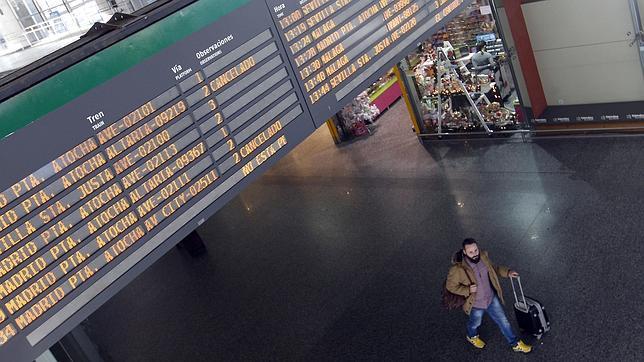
<point>475,259</point>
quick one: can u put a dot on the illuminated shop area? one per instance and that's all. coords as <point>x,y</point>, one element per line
<point>458,82</point>
<point>461,81</point>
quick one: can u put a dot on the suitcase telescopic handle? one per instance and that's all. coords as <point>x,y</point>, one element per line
<point>516,298</point>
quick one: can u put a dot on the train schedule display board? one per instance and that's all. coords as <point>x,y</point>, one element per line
<point>104,185</point>
<point>340,47</point>
<point>97,187</point>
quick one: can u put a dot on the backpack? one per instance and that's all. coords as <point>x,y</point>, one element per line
<point>451,301</point>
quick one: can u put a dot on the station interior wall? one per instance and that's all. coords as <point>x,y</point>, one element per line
<point>582,51</point>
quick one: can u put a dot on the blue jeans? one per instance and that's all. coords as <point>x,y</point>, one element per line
<point>496,312</point>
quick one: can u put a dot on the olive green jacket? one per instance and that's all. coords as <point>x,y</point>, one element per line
<point>461,276</point>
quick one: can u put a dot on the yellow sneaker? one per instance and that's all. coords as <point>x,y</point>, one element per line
<point>522,347</point>
<point>476,342</point>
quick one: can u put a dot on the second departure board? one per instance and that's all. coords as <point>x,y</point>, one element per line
<point>340,47</point>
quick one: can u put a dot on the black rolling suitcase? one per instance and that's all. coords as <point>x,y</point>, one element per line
<point>531,314</point>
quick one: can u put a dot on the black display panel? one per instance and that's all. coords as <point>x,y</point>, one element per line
<point>125,171</point>
<point>340,47</point>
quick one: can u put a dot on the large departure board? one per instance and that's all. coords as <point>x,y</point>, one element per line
<point>94,191</point>
<point>339,47</point>
<point>107,179</point>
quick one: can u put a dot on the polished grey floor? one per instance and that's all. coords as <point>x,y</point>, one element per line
<point>339,253</point>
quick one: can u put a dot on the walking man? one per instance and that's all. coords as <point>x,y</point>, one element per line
<point>475,277</point>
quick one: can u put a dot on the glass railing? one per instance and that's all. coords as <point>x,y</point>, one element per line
<point>63,25</point>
